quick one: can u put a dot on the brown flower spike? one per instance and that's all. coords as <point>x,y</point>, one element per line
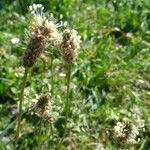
<point>41,31</point>
<point>43,108</point>
<point>70,44</point>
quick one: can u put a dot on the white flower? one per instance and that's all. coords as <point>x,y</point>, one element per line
<point>65,24</point>
<point>22,18</point>
<point>43,24</point>
<point>15,41</point>
<point>73,37</point>
<point>125,132</point>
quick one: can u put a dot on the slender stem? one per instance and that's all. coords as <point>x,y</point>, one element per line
<point>51,130</point>
<point>67,104</point>
<point>144,144</point>
<point>20,103</point>
<point>52,79</point>
<point>52,88</point>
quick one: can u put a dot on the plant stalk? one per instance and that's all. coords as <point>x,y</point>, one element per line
<point>21,102</point>
<point>52,88</point>
<point>67,103</point>
<point>52,78</point>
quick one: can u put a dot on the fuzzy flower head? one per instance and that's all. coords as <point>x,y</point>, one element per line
<point>43,108</point>
<point>125,132</point>
<point>70,44</point>
<point>43,24</point>
<point>42,30</point>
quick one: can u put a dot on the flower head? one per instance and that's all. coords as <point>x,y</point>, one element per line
<point>43,107</point>
<point>42,30</point>
<point>70,44</point>
<point>42,24</point>
<point>125,132</point>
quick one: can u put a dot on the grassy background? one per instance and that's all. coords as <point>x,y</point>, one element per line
<point>110,82</point>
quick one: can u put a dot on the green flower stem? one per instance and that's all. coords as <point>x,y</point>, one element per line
<point>52,88</point>
<point>67,103</point>
<point>52,78</point>
<point>143,146</point>
<point>20,103</point>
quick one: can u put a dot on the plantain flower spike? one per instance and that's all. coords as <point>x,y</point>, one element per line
<point>43,108</point>
<point>42,30</point>
<point>70,44</point>
<point>125,132</point>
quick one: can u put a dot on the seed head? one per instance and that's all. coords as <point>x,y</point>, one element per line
<point>43,108</point>
<point>42,30</point>
<point>124,132</point>
<point>70,44</point>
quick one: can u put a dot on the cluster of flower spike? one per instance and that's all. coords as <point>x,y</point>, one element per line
<point>124,132</point>
<point>42,31</point>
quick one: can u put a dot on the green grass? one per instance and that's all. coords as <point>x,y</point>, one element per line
<point>110,81</point>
